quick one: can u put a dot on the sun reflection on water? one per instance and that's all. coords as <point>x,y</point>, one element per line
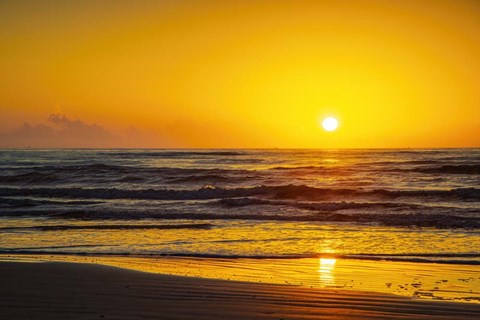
<point>326,271</point>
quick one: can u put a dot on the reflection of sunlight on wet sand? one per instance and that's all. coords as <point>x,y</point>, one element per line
<point>417,280</point>
<point>326,268</point>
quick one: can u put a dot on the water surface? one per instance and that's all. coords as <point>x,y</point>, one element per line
<point>418,206</point>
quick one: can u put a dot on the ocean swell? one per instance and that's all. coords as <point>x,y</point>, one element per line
<point>449,169</point>
<point>275,192</point>
<point>422,220</point>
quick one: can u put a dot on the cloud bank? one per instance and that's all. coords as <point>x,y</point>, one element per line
<point>60,132</point>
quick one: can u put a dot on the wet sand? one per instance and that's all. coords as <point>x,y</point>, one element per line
<point>88,291</point>
<point>433,281</point>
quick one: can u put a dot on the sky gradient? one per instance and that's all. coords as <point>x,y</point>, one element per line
<point>239,74</point>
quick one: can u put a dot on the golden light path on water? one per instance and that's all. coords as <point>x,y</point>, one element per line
<point>326,271</point>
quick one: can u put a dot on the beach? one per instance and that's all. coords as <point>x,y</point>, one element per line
<point>91,291</point>
<point>241,234</point>
<point>432,281</point>
<point>240,159</point>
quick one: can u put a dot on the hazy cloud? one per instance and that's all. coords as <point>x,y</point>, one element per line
<point>60,132</point>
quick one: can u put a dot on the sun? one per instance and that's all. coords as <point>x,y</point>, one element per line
<point>330,123</point>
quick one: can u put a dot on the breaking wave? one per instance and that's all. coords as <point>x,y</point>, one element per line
<point>45,175</point>
<point>274,192</point>
<point>451,169</point>
<point>109,227</point>
<point>402,219</point>
<point>463,259</point>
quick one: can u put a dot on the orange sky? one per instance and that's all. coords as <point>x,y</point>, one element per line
<point>229,74</point>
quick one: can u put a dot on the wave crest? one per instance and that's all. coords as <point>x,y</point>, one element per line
<point>209,192</point>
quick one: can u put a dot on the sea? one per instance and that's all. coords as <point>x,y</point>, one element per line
<point>404,205</point>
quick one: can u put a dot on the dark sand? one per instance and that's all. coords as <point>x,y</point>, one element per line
<point>87,291</point>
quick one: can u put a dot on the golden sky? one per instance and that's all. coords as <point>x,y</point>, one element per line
<point>229,74</point>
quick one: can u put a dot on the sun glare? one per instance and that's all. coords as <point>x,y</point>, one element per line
<point>330,123</point>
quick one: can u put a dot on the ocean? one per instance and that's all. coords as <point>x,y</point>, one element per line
<point>419,206</point>
<point>393,204</point>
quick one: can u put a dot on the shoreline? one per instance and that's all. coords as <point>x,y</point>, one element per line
<point>54,290</point>
<point>426,281</point>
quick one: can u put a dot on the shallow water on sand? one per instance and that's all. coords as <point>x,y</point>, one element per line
<point>416,280</point>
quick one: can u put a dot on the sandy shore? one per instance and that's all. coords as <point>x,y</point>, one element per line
<point>89,291</point>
